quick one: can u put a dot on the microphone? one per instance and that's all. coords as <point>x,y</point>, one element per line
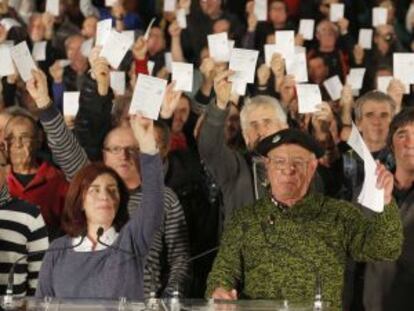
<point>8,298</point>
<point>317,304</point>
<point>99,234</point>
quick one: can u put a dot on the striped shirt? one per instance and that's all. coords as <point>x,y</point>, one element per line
<point>22,231</point>
<point>167,267</point>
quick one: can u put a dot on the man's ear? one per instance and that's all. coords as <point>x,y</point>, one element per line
<point>313,165</point>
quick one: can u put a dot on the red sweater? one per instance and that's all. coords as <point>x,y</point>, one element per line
<point>47,190</point>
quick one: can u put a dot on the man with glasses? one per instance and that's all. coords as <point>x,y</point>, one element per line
<point>31,179</point>
<point>294,243</point>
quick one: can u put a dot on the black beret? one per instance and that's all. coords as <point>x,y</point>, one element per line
<point>290,136</point>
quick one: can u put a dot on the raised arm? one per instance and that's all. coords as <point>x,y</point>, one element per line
<point>146,221</point>
<point>66,150</point>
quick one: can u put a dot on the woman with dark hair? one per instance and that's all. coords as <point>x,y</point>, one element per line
<point>103,253</point>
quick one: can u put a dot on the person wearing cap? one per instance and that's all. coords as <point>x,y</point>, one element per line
<point>294,243</point>
<point>390,285</point>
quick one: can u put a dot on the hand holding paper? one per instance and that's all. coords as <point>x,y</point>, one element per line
<point>170,102</point>
<point>115,48</point>
<point>309,97</point>
<point>182,74</point>
<point>38,90</point>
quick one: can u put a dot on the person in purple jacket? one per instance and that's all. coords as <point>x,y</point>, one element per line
<point>78,265</point>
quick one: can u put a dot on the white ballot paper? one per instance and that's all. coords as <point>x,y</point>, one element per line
<point>118,82</point>
<point>238,87</point>
<point>260,10</point>
<point>103,30</point>
<point>334,87</point>
<point>269,50</point>
<point>147,32</point>
<point>70,103</point>
<point>370,196</point>
<point>379,16</point>
<point>64,63</point>
<point>148,96</point>
<point>297,67</point>
<point>218,47</point>
<point>285,41</point>
<point>23,60</point>
<point>86,47</point>
<point>182,74</point>
<point>336,12</point>
<point>9,22</point>
<point>404,67</point>
<point>39,51</point>
<point>365,38</point>
<point>307,28</point>
<point>181,18</point>
<point>244,62</point>
<point>52,7</point>
<point>309,96</point>
<point>110,2</point>
<point>6,63</point>
<point>356,78</point>
<point>115,48</point>
<point>168,61</point>
<point>130,34</point>
<point>169,5</point>
<point>150,67</point>
<point>383,83</point>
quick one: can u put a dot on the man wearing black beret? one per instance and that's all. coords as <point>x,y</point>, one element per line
<point>293,244</point>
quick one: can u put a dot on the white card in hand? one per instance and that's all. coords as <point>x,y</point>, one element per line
<point>182,74</point>
<point>356,78</point>
<point>365,38</point>
<point>336,12</point>
<point>269,50</point>
<point>130,34</point>
<point>150,67</point>
<point>115,48</point>
<point>260,10</point>
<point>148,96</point>
<point>118,82</point>
<point>6,63</point>
<point>103,30</point>
<point>110,2</point>
<point>238,87</point>
<point>309,96</point>
<point>64,63</point>
<point>297,67</point>
<point>39,51</point>
<point>52,7</point>
<point>86,47</point>
<point>306,28</point>
<point>404,67</point>
<point>169,5</point>
<point>285,41</point>
<point>244,61</point>
<point>181,18</point>
<point>70,103</point>
<point>168,61</point>
<point>383,83</point>
<point>23,60</point>
<point>9,22</point>
<point>334,87</point>
<point>379,16</point>
<point>218,47</point>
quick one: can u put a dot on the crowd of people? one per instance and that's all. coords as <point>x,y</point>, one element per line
<point>108,204</point>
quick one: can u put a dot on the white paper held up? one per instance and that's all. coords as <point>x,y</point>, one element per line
<point>115,48</point>
<point>70,103</point>
<point>307,28</point>
<point>334,87</point>
<point>103,30</point>
<point>309,96</point>
<point>365,38</point>
<point>260,10</point>
<point>218,47</point>
<point>39,51</point>
<point>182,74</point>
<point>356,78</point>
<point>379,16</point>
<point>23,60</point>
<point>6,64</point>
<point>118,82</point>
<point>336,12</point>
<point>243,61</point>
<point>52,7</point>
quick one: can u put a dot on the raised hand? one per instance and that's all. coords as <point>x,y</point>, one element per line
<point>174,30</point>
<point>263,75</point>
<point>38,90</point>
<point>222,88</point>
<point>143,129</point>
<point>100,70</point>
<point>56,71</point>
<point>139,49</point>
<point>170,102</point>
<point>385,180</point>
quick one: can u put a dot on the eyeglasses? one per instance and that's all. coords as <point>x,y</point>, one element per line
<point>117,150</point>
<point>24,140</point>
<point>280,164</point>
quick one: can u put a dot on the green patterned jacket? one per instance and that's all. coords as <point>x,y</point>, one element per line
<point>268,252</point>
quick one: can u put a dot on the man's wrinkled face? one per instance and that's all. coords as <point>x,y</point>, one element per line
<point>261,122</point>
<point>290,169</point>
<point>21,141</point>
<point>403,147</point>
<point>375,121</point>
